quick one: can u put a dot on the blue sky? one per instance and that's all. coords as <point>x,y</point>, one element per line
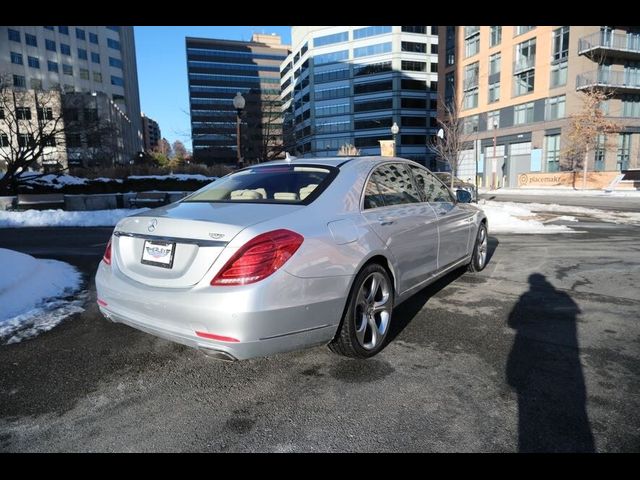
<point>162,71</point>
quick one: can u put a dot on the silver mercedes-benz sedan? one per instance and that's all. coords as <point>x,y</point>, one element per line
<point>289,254</point>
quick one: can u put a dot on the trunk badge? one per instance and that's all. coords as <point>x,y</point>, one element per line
<point>152,225</point>
<point>216,235</point>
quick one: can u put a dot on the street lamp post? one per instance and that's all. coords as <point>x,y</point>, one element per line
<point>394,132</point>
<point>494,161</point>
<point>238,103</point>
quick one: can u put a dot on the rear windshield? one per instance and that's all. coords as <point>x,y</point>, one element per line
<point>290,184</point>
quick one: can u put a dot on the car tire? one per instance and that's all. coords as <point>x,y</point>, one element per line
<point>367,318</point>
<point>480,251</point>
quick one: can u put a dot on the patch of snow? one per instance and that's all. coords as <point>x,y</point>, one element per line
<point>603,215</point>
<point>55,181</point>
<point>62,218</point>
<point>36,296</point>
<point>505,217</point>
<point>561,191</point>
<point>176,176</point>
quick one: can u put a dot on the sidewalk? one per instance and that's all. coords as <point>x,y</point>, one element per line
<point>553,191</point>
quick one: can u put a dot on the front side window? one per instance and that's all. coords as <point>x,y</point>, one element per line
<point>390,184</point>
<point>432,189</point>
<point>287,184</point>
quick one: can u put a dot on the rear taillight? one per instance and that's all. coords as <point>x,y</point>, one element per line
<point>106,258</point>
<point>259,258</point>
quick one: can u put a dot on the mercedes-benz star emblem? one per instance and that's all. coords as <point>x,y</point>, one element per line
<point>152,225</point>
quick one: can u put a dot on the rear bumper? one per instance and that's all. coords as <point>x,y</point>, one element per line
<point>278,314</point>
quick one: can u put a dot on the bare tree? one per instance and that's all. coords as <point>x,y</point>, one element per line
<point>27,139</point>
<point>584,128</point>
<point>262,136</point>
<point>179,150</point>
<point>452,136</point>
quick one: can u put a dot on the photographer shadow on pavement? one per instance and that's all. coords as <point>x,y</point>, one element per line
<point>545,371</point>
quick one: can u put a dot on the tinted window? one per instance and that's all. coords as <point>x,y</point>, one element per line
<point>432,189</point>
<point>394,187</point>
<point>291,184</point>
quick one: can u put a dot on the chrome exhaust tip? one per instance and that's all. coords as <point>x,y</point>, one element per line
<point>218,354</point>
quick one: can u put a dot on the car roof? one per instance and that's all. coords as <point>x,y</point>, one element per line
<point>336,161</point>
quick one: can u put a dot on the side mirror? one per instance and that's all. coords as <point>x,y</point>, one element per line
<point>463,196</point>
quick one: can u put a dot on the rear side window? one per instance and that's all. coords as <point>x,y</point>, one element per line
<point>432,189</point>
<point>289,184</point>
<point>390,184</point>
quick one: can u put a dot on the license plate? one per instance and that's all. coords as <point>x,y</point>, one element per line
<point>158,254</point>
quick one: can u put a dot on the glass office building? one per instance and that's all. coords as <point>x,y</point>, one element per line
<point>347,85</point>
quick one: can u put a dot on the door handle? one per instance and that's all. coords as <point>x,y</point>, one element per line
<point>385,221</point>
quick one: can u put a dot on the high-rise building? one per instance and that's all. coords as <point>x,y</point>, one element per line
<point>99,61</point>
<point>347,85</point>
<point>218,70</point>
<point>517,86</point>
<point>150,133</point>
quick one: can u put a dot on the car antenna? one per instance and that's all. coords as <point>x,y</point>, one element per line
<point>288,157</point>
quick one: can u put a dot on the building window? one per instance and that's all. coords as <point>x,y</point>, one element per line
<point>65,49</point>
<point>552,152</point>
<point>370,31</point>
<point>524,83</point>
<point>471,41</point>
<point>25,140</point>
<point>415,29</point>
<point>470,124</point>
<point>111,43</point>
<point>33,62</point>
<point>624,144</point>
<point>631,106</point>
<point>84,74</point>
<point>331,57</point>
<point>523,113</point>
<point>434,48</point>
<point>67,69</point>
<point>554,108</point>
<point>52,66</point>
<point>373,105</point>
<point>97,77</point>
<point>377,49</point>
<point>493,119</point>
<point>45,113</point>
<point>494,64</point>
<point>95,57</point>
<point>414,47</point>
<point>560,44</point>
<point>49,27</point>
<point>118,81</point>
<point>80,34</point>
<point>115,62</point>
<point>14,35</point>
<point>471,75</point>
<point>82,54</point>
<point>30,40</point>
<point>363,88</point>
<point>4,140</point>
<point>470,99</point>
<point>50,45</point>
<point>19,81</point>
<point>16,58</point>
<point>601,143</point>
<point>412,84</point>
<point>63,29</point>
<point>494,92</point>
<point>417,103</point>
<point>413,121</point>
<point>115,28</point>
<point>434,67</point>
<point>496,36</point>
<point>331,39</point>
<point>412,66</point>
<point>358,70</point>
<point>521,30</point>
<point>23,113</point>
<point>559,74</point>
<point>93,38</point>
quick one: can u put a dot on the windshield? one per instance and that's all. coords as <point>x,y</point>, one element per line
<point>289,184</point>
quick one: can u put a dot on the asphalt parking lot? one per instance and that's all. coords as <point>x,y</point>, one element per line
<point>539,352</point>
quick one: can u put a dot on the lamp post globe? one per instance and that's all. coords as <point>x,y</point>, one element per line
<point>394,132</point>
<point>238,103</point>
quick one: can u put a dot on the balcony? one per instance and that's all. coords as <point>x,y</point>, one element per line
<point>523,64</point>
<point>622,82</point>
<point>616,44</point>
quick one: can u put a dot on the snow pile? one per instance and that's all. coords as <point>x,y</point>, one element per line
<point>632,218</point>
<point>62,218</point>
<point>561,191</point>
<point>505,217</point>
<point>175,176</point>
<point>35,295</point>
<point>55,181</point>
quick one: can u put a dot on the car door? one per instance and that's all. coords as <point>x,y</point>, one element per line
<point>453,221</point>
<point>396,213</point>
